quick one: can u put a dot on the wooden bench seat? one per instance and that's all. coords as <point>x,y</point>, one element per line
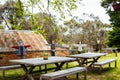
<point>10,67</point>
<point>63,73</point>
<point>104,62</point>
<point>4,68</point>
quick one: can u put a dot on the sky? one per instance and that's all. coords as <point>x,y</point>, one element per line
<point>94,7</point>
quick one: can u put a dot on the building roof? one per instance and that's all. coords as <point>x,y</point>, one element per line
<point>10,38</point>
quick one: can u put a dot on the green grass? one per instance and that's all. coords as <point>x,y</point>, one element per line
<point>111,73</point>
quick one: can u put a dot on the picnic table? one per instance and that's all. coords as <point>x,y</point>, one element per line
<point>33,62</point>
<point>111,50</point>
<point>86,58</point>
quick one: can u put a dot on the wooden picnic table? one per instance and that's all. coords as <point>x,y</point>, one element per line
<point>33,62</point>
<point>111,50</point>
<point>86,58</point>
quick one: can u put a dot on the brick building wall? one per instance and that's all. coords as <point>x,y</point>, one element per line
<point>6,56</point>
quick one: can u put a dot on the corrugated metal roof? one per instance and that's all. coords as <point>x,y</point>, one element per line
<point>10,38</point>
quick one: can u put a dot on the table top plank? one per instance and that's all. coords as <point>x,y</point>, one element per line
<point>41,61</point>
<point>87,55</point>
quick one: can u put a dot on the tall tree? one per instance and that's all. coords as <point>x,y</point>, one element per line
<point>114,35</point>
<point>92,33</point>
<point>43,25</point>
<point>12,13</point>
<point>52,7</point>
<point>20,16</point>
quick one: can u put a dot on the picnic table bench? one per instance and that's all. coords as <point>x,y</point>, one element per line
<point>9,67</point>
<point>63,73</point>
<point>4,68</point>
<point>104,62</point>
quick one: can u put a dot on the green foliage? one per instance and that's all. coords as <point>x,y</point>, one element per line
<point>20,9</point>
<point>114,35</point>
<point>19,16</point>
<point>12,14</point>
<point>88,32</point>
<point>1,27</point>
<point>114,38</point>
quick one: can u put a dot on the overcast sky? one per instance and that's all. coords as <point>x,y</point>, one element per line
<point>93,6</point>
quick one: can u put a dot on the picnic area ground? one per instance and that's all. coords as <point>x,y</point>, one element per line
<point>111,73</point>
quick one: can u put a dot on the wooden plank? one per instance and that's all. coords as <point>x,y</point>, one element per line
<point>63,73</point>
<point>10,67</point>
<point>105,62</point>
<point>3,68</point>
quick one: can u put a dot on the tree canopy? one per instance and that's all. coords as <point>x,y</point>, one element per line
<point>114,35</point>
<point>21,15</point>
<point>88,32</point>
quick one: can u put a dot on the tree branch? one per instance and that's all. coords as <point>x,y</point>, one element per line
<point>5,22</point>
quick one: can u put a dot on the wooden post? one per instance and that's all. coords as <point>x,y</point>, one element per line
<point>77,75</point>
<point>115,64</point>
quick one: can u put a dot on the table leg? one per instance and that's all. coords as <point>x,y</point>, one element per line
<point>59,66</point>
<point>27,72</point>
<point>78,60</point>
<point>45,68</point>
<point>94,60</point>
<point>115,51</point>
<point>81,61</point>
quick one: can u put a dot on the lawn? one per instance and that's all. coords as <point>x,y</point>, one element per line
<point>111,73</point>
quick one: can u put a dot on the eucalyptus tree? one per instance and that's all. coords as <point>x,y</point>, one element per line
<point>11,13</point>
<point>43,25</point>
<point>90,32</point>
<point>94,34</point>
<point>73,28</point>
<point>22,14</point>
<point>57,10</point>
